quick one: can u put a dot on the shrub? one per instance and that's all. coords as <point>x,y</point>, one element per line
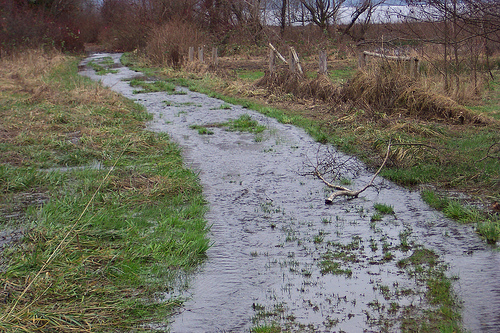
<point>124,28</point>
<point>23,27</point>
<point>167,44</point>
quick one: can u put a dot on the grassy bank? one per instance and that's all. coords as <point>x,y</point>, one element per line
<point>457,161</point>
<point>110,219</point>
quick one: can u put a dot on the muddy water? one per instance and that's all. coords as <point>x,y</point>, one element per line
<point>272,233</point>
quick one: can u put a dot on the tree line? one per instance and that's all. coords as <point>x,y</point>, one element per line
<point>68,24</point>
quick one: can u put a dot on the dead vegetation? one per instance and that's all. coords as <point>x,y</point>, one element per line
<point>385,90</point>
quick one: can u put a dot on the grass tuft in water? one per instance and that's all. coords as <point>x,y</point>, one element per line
<point>155,86</point>
<point>244,123</point>
<point>384,209</point>
<point>202,130</point>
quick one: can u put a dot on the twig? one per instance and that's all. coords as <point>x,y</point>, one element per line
<point>488,153</point>
<point>351,193</point>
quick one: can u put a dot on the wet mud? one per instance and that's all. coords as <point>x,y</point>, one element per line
<point>281,255</point>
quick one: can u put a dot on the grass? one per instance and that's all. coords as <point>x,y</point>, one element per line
<point>202,130</point>
<point>244,123</point>
<point>155,86</point>
<point>487,224</point>
<point>103,66</point>
<point>250,75</point>
<point>101,243</point>
<point>384,209</point>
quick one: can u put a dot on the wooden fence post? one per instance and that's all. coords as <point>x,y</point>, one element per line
<point>361,60</point>
<point>191,54</point>
<point>322,62</point>
<point>200,54</point>
<point>294,61</point>
<point>272,61</point>
<point>291,62</point>
<point>414,67</point>
<point>215,58</point>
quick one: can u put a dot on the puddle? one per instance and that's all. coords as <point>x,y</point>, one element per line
<point>280,254</point>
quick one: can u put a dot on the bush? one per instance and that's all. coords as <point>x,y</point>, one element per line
<point>168,44</point>
<point>24,26</point>
<point>26,29</point>
<point>125,28</point>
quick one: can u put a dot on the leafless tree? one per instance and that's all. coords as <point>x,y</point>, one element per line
<point>323,12</point>
<point>362,15</point>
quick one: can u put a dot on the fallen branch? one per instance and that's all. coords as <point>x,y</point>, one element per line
<point>278,54</point>
<point>345,191</point>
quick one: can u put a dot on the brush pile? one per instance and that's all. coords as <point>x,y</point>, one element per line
<point>396,94</point>
<point>293,83</point>
<point>391,92</point>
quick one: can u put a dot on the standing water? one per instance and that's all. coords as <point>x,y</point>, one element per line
<point>280,255</point>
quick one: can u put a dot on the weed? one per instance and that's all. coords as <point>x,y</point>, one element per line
<point>155,86</point>
<point>490,230</point>
<point>223,106</point>
<point>383,209</point>
<point>202,130</point>
<point>244,123</point>
<point>332,267</point>
<point>102,68</point>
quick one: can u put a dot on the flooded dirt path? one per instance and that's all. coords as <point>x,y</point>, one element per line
<point>281,255</point>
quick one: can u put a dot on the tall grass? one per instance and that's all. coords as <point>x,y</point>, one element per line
<point>109,237</point>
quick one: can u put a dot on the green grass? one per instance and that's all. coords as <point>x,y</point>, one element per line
<point>383,209</point>
<point>102,66</point>
<point>155,86</point>
<point>491,100</point>
<point>244,123</point>
<point>376,217</point>
<point>341,75</point>
<point>100,243</point>
<point>250,75</point>
<point>487,224</point>
<point>202,130</point>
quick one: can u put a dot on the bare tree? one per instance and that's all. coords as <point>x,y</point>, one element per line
<point>284,4</point>
<point>323,12</point>
<point>458,26</point>
<point>361,17</point>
